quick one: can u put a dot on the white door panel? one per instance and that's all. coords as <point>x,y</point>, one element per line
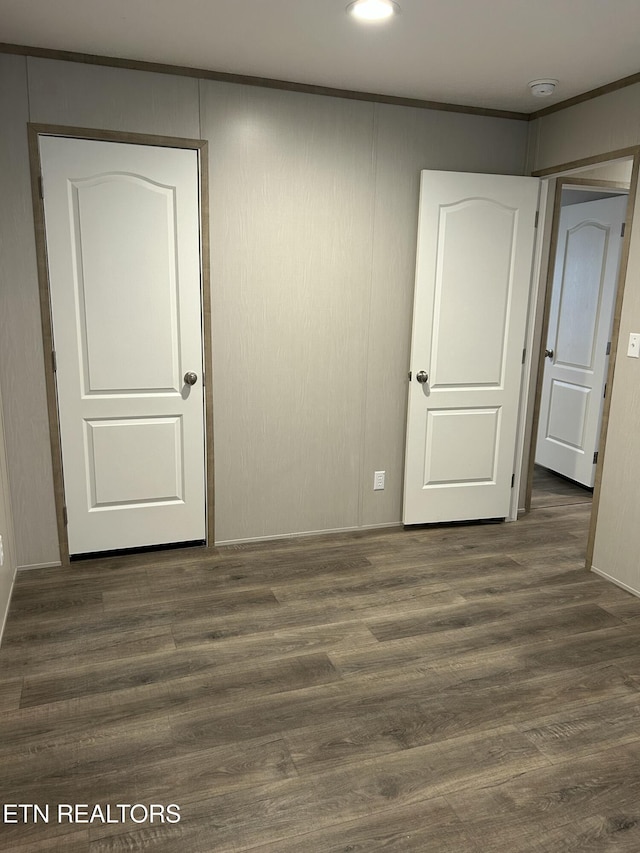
<point>118,266</point>
<point>582,299</point>
<point>123,248</point>
<point>473,273</point>
<point>134,461</point>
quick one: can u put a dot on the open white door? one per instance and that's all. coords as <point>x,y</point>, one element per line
<point>473,275</point>
<point>123,249</point>
<point>582,300</point>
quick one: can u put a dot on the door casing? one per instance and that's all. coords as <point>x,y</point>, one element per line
<point>201,146</point>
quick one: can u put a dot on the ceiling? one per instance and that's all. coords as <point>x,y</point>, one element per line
<point>468,52</point>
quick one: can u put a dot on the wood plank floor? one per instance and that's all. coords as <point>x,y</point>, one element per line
<point>461,688</point>
<point>551,489</point>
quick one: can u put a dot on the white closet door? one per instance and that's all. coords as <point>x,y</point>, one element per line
<point>123,248</point>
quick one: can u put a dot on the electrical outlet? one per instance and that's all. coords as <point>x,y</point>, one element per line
<point>1,551</point>
<point>378,480</point>
<point>634,345</point>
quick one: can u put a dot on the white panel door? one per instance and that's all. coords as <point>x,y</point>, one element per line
<point>123,249</point>
<point>582,300</point>
<point>473,275</point>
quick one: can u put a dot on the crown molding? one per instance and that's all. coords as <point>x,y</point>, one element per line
<point>264,82</point>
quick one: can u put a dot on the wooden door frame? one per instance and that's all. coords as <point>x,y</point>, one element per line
<point>562,180</point>
<point>201,146</point>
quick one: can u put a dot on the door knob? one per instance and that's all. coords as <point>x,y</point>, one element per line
<point>548,353</point>
<point>190,378</point>
<point>422,377</point>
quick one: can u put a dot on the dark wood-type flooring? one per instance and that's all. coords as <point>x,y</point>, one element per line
<point>550,489</point>
<point>455,689</point>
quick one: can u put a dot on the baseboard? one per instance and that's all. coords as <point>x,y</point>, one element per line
<point>28,568</point>
<point>326,532</point>
<point>622,585</point>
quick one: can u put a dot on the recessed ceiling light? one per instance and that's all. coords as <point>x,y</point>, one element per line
<point>543,88</point>
<point>373,10</point>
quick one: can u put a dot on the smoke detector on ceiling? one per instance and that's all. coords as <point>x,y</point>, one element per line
<point>543,88</point>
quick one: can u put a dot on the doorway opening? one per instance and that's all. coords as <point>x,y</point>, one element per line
<point>578,335</point>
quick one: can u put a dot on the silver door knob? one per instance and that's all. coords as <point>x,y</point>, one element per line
<point>548,353</point>
<point>422,377</point>
<point>190,378</point>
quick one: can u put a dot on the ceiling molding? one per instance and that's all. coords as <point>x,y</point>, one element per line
<point>631,80</point>
<point>264,82</point>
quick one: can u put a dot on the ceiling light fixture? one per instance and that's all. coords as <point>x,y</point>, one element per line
<point>373,10</point>
<point>543,88</point>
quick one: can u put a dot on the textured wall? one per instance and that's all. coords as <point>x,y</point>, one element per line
<point>313,228</point>
<point>291,219</point>
<point>314,215</point>
<point>617,542</point>
<point>21,357</point>
<point>112,98</point>
<point>608,123</point>
<point>8,568</point>
<point>618,171</point>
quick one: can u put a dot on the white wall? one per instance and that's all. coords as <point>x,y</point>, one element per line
<point>313,229</point>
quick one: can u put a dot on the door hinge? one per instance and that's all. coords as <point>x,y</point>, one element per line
<point>65,517</point>
<point>623,229</point>
<point>608,352</point>
<point>513,480</point>
<point>54,361</point>
<point>524,355</point>
<point>605,390</point>
<point>595,457</point>
<point>40,186</point>
<point>535,224</point>
<point>409,376</point>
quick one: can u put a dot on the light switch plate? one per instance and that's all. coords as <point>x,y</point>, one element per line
<point>634,345</point>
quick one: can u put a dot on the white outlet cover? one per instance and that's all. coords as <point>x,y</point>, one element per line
<point>634,345</point>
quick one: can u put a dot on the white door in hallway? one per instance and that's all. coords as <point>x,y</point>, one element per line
<point>582,301</point>
<point>123,250</point>
<point>473,276</point>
